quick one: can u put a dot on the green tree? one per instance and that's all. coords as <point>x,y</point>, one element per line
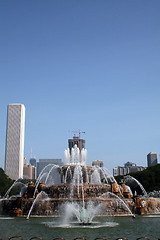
<point>5,182</point>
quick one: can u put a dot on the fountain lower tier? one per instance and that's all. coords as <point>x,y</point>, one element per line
<point>54,207</point>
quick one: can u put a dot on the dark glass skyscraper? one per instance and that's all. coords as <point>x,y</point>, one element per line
<point>33,162</point>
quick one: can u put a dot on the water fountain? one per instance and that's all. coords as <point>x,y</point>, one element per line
<point>78,185</point>
<point>84,214</point>
<point>79,190</point>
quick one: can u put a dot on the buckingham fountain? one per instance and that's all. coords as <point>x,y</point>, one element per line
<point>78,190</point>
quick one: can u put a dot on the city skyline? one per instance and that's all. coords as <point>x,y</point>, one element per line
<point>83,65</point>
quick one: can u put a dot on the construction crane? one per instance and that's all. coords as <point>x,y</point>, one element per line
<point>79,132</point>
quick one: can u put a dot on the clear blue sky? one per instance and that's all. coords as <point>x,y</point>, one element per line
<point>90,65</point>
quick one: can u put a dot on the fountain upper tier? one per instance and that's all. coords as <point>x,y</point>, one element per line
<point>74,174</point>
<point>75,156</point>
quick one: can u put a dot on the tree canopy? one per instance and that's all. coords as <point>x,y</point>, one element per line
<point>5,182</point>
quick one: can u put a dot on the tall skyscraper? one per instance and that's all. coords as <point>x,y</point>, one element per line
<point>152,159</point>
<point>14,156</point>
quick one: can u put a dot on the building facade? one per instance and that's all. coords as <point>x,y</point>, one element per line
<point>152,159</point>
<point>128,168</point>
<point>14,154</point>
<point>29,171</point>
<point>98,163</point>
<point>76,141</point>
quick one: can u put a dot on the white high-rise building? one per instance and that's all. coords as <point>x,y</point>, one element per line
<point>14,157</point>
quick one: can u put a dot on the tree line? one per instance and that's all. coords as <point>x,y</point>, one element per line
<point>5,182</point>
<point>149,178</point>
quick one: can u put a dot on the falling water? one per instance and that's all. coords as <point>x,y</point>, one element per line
<point>76,156</point>
<point>83,214</point>
<point>41,194</point>
<point>110,194</point>
<point>128,178</point>
<point>15,183</point>
<point>45,173</point>
<point>53,167</point>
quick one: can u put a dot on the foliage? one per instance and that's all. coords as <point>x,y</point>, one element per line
<point>5,182</point>
<point>149,178</point>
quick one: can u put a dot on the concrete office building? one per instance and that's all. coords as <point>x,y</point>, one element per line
<point>129,164</point>
<point>128,168</point>
<point>14,155</point>
<point>152,159</point>
<point>76,141</point>
<point>44,162</point>
<point>98,163</point>
<point>29,171</point>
